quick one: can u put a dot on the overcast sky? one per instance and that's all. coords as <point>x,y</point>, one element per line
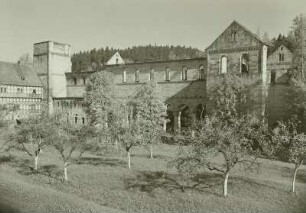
<point>87,24</point>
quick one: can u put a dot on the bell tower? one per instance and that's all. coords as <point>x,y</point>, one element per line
<point>51,60</point>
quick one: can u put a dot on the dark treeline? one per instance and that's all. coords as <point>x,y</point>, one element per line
<point>96,58</point>
<point>288,41</point>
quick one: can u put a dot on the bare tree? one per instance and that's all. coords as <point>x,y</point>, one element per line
<point>25,59</point>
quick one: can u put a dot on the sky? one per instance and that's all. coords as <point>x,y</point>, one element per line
<point>88,24</point>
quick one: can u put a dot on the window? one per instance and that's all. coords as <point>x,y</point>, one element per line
<point>244,63</point>
<point>167,74</point>
<point>75,81</point>
<point>234,36</point>
<point>273,77</point>
<point>83,120</point>
<point>34,91</point>
<point>184,74</point>
<point>84,80</point>
<point>124,76</point>
<point>76,119</point>
<point>117,61</point>
<point>137,75</point>
<point>152,74</point>
<point>19,90</point>
<point>281,57</point>
<point>3,89</point>
<point>223,67</point>
<point>201,73</point>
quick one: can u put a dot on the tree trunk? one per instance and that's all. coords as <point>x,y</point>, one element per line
<point>225,184</point>
<point>192,133</point>
<point>116,143</point>
<point>294,177</point>
<point>151,152</point>
<point>129,159</point>
<point>65,171</point>
<point>35,162</point>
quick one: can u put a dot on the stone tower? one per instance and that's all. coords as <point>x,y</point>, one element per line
<point>51,61</point>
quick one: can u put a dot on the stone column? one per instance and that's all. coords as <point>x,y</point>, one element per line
<point>179,125</point>
<point>264,80</point>
<point>193,124</point>
<point>165,125</point>
<point>177,121</point>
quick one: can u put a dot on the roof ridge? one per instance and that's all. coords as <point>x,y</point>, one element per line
<point>245,28</point>
<point>249,31</point>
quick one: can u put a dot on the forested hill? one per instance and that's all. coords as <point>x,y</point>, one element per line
<point>94,59</point>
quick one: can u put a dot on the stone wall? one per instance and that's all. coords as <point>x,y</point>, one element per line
<point>278,68</point>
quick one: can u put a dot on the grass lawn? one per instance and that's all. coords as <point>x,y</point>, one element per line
<point>105,184</point>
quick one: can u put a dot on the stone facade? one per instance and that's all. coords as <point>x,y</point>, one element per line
<point>279,62</point>
<point>237,51</point>
<point>183,85</point>
<point>51,60</point>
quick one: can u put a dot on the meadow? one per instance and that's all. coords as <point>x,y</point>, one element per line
<point>103,183</point>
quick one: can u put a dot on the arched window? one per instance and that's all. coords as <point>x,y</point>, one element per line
<point>223,66</point>
<point>152,71</point>
<point>137,75</point>
<point>244,64</point>
<point>184,73</point>
<point>167,74</point>
<point>124,76</point>
<point>201,72</point>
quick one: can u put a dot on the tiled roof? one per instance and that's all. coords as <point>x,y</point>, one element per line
<point>15,74</point>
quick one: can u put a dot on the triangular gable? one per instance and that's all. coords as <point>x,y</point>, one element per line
<point>244,37</point>
<point>276,48</point>
<point>115,59</point>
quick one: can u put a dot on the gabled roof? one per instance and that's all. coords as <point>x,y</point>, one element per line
<point>15,74</point>
<point>115,59</point>
<point>275,48</point>
<point>244,28</point>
